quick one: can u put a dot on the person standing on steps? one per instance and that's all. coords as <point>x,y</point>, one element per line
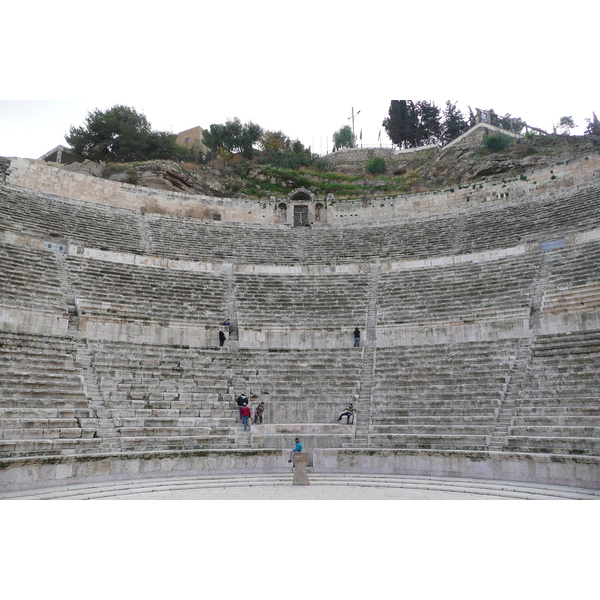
<point>258,413</point>
<point>242,400</point>
<point>221,337</point>
<point>298,448</point>
<point>227,323</point>
<point>356,335</point>
<point>245,413</point>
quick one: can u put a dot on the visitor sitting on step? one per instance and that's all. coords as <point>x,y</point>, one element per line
<point>348,412</point>
<point>245,413</point>
<point>298,448</point>
<point>258,413</point>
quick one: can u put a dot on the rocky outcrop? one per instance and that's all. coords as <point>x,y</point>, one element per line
<point>435,168</point>
<point>170,176</point>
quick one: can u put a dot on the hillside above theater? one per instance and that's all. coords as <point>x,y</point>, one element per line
<point>343,174</point>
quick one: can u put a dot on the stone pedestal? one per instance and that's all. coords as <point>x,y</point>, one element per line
<point>301,468</point>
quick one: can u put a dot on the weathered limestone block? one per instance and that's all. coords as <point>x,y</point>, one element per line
<point>301,468</point>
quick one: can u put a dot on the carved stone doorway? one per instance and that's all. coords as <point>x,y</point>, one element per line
<point>300,215</point>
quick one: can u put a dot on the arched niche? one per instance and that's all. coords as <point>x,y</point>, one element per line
<point>282,212</point>
<point>319,212</point>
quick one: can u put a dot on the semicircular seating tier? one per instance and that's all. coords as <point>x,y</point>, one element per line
<point>476,337</point>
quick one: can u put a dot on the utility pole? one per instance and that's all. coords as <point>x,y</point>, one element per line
<point>352,117</point>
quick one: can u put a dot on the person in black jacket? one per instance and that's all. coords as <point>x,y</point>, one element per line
<point>356,335</point>
<point>242,400</point>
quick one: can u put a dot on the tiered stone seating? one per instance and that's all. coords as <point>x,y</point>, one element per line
<point>30,279</point>
<point>509,226</point>
<point>321,301</point>
<point>162,397</point>
<point>557,409</point>
<point>105,227</point>
<point>439,397</point>
<point>84,223</point>
<point>573,280</point>
<point>493,290</point>
<point>144,293</point>
<point>43,409</point>
<point>304,391</point>
<point>404,241</point>
<point>194,239</point>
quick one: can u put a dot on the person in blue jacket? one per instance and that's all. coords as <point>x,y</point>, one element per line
<point>298,448</point>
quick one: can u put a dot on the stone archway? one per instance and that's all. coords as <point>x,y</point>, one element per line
<point>306,207</point>
<point>301,194</point>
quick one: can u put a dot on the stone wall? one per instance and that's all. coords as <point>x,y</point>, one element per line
<point>36,473</point>
<point>37,175</point>
<point>467,199</point>
<point>353,160</point>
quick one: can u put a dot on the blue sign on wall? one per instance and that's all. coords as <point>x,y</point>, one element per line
<point>553,244</point>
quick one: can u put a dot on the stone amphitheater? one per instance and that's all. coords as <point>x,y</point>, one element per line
<point>479,361</point>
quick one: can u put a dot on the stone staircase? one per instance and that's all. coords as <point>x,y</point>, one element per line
<point>508,404</point>
<point>369,356</point>
<point>103,418</point>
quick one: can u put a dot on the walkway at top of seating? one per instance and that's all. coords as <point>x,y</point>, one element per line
<point>322,487</point>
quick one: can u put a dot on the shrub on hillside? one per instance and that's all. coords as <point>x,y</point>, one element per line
<point>376,165</point>
<point>497,142</point>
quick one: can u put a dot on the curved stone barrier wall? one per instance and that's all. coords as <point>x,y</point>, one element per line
<point>563,176</point>
<point>37,473</point>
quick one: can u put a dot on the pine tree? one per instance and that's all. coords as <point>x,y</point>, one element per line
<point>454,124</point>
<point>593,127</point>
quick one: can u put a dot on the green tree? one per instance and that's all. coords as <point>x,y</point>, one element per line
<point>232,136</point>
<point>280,151</point>
<point>411,124</point>
<point>593,126</point>
<point>565,125</point>
<point>344,138</point>
<point>429,128</point>
<point>275,141</point>
<point>454,124</point>
<point>162,144</point>
<point>510,123</point>
<point>399,124</point>
<point>251,135</point>
<point>120,134</point>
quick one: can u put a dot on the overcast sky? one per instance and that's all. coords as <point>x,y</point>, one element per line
<point>302,70</point>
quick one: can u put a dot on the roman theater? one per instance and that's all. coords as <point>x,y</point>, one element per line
<point>478,306</point>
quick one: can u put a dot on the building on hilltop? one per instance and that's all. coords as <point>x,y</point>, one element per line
<point>192,139</point>
<point>61,155</point>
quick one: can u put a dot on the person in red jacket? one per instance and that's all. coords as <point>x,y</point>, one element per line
<point>246,414</point>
